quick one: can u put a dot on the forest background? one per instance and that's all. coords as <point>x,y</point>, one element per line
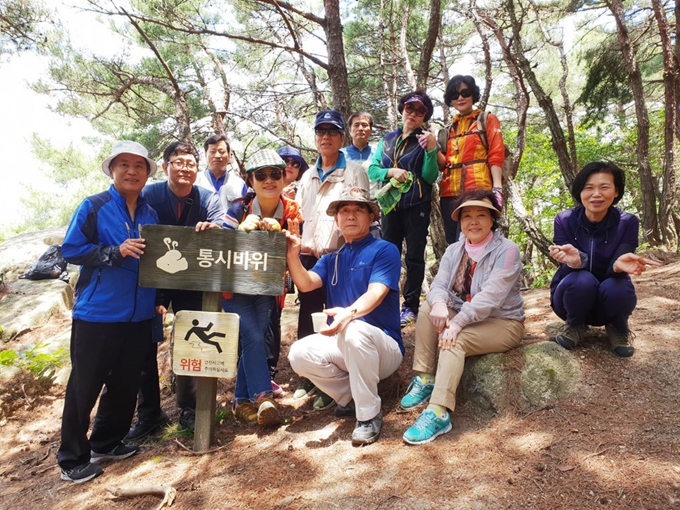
<point>571,82</point>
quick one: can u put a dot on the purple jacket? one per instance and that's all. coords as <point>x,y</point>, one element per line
<point>600,243</point>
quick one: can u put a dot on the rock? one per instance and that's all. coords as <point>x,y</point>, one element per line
<point>32,304</point>
<point>549,373</point>
<point>19,253</point>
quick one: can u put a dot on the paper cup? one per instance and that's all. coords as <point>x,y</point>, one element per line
<point>319,320</point>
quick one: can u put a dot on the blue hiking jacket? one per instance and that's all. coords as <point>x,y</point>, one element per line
<point>107,289</point>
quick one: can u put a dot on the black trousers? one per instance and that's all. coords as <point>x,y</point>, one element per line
<point>310,302</point>
<point>108,355</point>
<point>451,227</point>
<point>411,224</point>
<point>149,403</point>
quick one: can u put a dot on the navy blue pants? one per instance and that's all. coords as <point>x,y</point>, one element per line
<point>108,355</point>
<point>410,224</point>
<point>310,302</point>
<point>581,299</point>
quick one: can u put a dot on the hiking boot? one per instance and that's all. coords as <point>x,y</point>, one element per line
<point>621,343</point>
<point>570,336</point>
<point>348,411</point>
<point>187,418</point>
<point>144,427</point>
<point>407,316</point>
<point>82,473</point>
<point>417,392</point>
<point>120,452</point>
<point>427,427</point>
<point>245,411</point>
<point>267,412</point>
<point>322,401</point>
<point>305,388</point>
<point>367,432</point>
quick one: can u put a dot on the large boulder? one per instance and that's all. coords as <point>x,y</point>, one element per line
<point>28,304</point>
<point>547,374</point>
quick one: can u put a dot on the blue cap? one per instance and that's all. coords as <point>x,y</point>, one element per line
<point>293,153</point>
<point>329,117</point>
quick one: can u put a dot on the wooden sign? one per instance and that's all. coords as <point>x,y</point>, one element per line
<point>205,344</point>
<point>216,260</point>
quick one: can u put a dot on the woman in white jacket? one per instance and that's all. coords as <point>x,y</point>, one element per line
<point>473,307</point>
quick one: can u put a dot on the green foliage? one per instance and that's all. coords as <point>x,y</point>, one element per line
<point>24,25</point>
<point>41,365</point>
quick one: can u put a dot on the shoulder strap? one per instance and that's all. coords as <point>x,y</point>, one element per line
<point>481,128</point>
<point>188,203</point>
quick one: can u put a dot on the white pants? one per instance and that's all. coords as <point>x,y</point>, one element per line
<point>349,365</point>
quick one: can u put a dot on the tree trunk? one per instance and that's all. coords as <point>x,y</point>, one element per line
<point>527,220</point>
<point>429,45</point>
<point>650,225</point>
<point>337,67</point>
<point>410,77</point>
<point>668,193</point>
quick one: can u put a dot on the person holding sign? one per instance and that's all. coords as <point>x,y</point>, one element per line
<point>112,315</point>
<point>266,208</point>
<point>362,343</point>
<point>595,244</point>
<point>178,202</point>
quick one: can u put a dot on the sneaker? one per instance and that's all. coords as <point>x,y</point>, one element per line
<point>267,412</point>
<point>187,418</point>
<point>367,432</point>
<point>407,316</point>
<point>277,390</point>
<point>427,427</point>
<point>120,452</point>
<point>416,393</point>
<point>570,336</point>
<point>348,411</point>
<point>621,343</point>
<point>145,427</point>
<point>245,412</point>
<point>322,401</point>
<point>82,473</point>
<point>305,388</point>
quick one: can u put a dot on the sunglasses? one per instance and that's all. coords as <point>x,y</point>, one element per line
<point>330,132</point>
<point>274,175</point>
<point>293,163</point>
<point>420,111</point>
<point>465,93</point>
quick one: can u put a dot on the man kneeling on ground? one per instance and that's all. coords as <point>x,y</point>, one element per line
<point>362,344</point>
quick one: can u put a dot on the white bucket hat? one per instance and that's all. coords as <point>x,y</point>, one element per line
<point>128,147</point>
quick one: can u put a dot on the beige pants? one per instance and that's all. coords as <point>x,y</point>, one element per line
<point>348,365</point>
<point>487,336</point>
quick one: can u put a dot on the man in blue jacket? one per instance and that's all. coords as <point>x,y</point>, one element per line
<point>178,202</point>
<point>111,330</point>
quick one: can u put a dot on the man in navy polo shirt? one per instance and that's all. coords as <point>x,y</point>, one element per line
<point>362,344</point>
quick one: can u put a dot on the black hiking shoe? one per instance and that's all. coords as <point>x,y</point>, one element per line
<point>621,343</point>
<point>570,336</point>
<point>81,474</point>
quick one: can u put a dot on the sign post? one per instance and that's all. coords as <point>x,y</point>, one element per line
<point>213,261</point>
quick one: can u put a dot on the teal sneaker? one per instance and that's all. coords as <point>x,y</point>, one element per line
<point>416,393</point>
<point>427,427</point>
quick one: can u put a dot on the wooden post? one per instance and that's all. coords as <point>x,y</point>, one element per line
<point>206,390</point>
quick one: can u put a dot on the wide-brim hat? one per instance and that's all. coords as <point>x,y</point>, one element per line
<point>266,158</point>
<point>354,195</point>
<point>293,153</point>
<point>485,202</point>
<point>128,147</point>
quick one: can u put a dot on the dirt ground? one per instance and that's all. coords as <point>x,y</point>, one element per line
<point>616,444</point>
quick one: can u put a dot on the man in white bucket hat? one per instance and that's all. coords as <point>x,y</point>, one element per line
<point>112,315</point>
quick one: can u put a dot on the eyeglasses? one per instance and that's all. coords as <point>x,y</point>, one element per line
<point>420,111</point>
<point>330,132</point>
<point>465,93</point>
<point>181,164</point>
<point>293,163</point>
<point>274,175</point>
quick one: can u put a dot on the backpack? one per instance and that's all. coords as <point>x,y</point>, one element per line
<point>50,265</point>
<point>443,139</point>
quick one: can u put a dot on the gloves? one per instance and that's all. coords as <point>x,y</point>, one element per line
<point>498,192</point>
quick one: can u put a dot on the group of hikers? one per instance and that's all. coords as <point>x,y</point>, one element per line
<point>345,218</point>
